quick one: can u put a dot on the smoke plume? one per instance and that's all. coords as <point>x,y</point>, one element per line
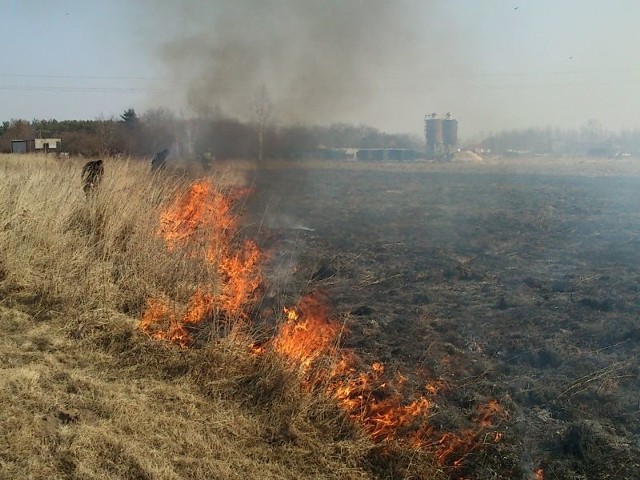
<point>317,61</point>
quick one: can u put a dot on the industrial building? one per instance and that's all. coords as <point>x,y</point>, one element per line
<point>366,154</point>
<point>36,145</point>
<point>441,136</point>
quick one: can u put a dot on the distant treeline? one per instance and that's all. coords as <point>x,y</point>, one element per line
<point>201,138</point>
<point>591,139</point>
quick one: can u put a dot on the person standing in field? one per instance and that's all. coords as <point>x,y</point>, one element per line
<point>92,173</point>
<point>159,160</point>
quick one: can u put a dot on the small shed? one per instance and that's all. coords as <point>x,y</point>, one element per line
<point>18,146</point>
<point>36,145</point>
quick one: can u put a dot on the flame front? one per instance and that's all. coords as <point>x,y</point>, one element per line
<point>203,222</point>
<point>377,404</point>
<point>370,397</point>
<point>307,333</point>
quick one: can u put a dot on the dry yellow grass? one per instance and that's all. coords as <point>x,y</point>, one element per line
<point>83,394</point>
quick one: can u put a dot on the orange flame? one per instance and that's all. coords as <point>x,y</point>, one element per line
<point>369,397</point>
<point>159,322</point>
<point>307,334</point>
<point>374,402</point>
<point>241,277</point>
<point>203,222</point>
<point>451,448</point>
<point>291,314</point>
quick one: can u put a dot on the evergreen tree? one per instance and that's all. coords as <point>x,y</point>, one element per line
<point>130,118</point>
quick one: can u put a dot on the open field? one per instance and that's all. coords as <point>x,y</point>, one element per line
<point>510,281</point>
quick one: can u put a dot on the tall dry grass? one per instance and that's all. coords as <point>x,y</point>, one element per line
<point>84,394</point>
<point>68,251</point>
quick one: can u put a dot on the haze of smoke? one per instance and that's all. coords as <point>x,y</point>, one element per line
<point>319,61</point>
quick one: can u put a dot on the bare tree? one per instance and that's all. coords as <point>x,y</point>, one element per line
<point>262,112</point>
<point>105,135</point>
<point>159,130</point>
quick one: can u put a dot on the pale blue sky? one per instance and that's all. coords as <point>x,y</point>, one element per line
<point>495,64</point>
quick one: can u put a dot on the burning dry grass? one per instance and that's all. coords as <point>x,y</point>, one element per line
<point>85,394</point>
<point>307,339</point>
<point>202,223</point>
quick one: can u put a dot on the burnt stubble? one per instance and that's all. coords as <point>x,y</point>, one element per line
<point>516,284</point>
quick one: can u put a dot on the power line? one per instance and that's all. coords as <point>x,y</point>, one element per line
<point>64,89</point>
<point>79,77</point>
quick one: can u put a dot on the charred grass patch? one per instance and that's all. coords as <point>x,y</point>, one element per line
<point>510,281</point>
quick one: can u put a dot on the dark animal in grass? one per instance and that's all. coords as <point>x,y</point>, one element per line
<point>159,160</point>
<point>92,173</point>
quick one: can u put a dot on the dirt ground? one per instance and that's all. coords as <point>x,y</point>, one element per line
<point>515,280</point>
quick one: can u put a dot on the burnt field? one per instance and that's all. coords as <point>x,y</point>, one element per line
<point>506,282</point>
